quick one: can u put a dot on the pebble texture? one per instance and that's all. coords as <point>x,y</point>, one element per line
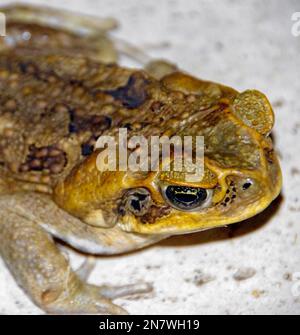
<point>247,268</point>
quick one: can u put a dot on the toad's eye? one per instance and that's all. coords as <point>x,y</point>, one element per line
<point>187,198</point>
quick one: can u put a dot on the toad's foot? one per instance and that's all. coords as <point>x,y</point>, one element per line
<point>91,299</point>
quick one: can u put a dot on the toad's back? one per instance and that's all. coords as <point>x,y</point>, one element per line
<point>56,103</point>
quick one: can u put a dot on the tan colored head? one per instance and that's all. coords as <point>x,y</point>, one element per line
<point>242,174</point>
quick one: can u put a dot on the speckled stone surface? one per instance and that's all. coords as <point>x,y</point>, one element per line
<point>247,268</point>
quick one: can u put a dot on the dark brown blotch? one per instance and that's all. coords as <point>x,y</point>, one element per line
<point>48,158</point>
<point>134,93</point>
<point>97,124</point>
<point>154,213</point>
<point>87,149</point>
<point>28,68</point>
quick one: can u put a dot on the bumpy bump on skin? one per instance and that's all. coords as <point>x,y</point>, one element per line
<point>254,109</point>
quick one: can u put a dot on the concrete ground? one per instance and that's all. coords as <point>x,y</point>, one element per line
<point>248,268</point>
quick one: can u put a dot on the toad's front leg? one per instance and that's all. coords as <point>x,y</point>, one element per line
<point>45,274</point>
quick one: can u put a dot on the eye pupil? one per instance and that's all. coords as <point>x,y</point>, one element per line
<point>186,197</point>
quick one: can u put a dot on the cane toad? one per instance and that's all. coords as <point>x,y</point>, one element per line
<point>61,89</point>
